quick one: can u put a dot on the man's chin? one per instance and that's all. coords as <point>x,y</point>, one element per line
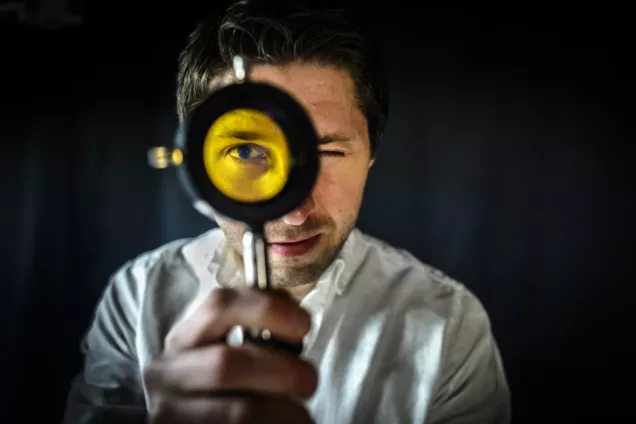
<point>295,274</point>
<point>302,269</point>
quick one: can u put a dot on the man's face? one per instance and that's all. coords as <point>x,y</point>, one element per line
<point>304,242</point>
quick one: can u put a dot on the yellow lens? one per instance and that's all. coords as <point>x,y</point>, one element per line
<point>246,156</point>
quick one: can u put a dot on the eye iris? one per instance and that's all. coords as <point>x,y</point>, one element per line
<point>244,151</point>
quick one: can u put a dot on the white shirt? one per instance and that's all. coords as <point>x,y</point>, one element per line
<point>394,340</point>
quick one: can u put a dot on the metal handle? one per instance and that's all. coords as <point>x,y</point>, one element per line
<point>255,262</point>
<point>256,269</point>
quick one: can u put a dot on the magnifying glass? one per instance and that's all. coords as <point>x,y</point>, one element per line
<point>248,152</point>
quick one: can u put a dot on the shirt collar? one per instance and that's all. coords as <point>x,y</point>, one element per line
<point>211,255</point>
<point>349,259</point>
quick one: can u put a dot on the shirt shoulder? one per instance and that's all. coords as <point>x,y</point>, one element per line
<point>471,376</point>
<point>173,254</point>
<point>399,270</point>
<point>149,278</point>
<point>406,284</point>
<point>150,292</point>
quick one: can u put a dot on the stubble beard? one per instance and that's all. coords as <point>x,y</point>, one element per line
<point>295,271</point>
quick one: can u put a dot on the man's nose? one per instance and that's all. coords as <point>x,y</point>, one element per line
<point>299,215</point>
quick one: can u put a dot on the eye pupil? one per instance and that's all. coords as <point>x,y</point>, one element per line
<point>244,151</point>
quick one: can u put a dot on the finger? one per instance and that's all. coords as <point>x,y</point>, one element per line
<point>225,308</point>
<point>221,368</point>
<point>231,410</point>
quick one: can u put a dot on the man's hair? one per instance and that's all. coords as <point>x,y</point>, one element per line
<point>279,32</point>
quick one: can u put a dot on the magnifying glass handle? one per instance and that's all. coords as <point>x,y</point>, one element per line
<point>256,267</point>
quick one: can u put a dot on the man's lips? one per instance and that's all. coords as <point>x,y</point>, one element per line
<point>290,240</point>
<point>294,247</point>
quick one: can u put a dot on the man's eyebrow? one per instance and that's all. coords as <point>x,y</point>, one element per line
<point>253,135</point>
<point>242,135</point>
<point>332,138</point>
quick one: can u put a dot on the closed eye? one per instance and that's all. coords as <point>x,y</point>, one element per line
<point>331,153</point>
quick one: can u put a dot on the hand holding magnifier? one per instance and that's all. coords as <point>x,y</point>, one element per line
<point>249,152</point>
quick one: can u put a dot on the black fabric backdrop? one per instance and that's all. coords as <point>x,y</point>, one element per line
<point>505,164</point>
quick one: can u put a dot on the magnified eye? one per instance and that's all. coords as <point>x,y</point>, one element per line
<point>248,153</point>
<point>246,156</point>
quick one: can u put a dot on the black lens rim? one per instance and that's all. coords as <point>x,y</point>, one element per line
<point>292,119</point>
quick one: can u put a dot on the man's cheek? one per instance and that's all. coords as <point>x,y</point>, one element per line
<point>333,184</point>
<point>339,200</point>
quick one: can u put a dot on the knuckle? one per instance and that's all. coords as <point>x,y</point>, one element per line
<point>172,340</point>
<point>207,318</point>
<point>188,332</point>
<point>219,298</point>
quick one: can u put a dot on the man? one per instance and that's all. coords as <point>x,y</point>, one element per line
<point>386,338</point>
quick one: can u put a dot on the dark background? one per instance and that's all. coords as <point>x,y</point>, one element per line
<point>506,164</point>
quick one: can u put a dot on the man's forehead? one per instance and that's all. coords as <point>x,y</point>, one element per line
<point>316,86</point>
<point>326,92</point>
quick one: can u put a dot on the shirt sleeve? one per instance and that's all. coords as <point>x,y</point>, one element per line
<point>472,386</point>
<point>109,388</point>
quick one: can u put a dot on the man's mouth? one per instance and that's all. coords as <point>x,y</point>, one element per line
<point>294,247</point>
